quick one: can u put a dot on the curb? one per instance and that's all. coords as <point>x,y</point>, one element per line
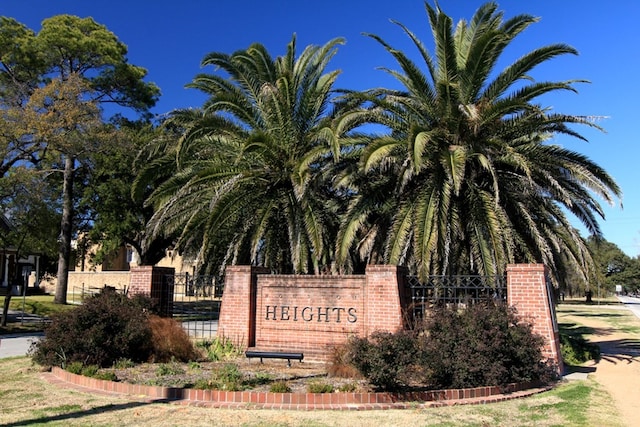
<point>297,401</point>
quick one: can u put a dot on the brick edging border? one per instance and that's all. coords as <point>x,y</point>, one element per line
<point>303,401</point>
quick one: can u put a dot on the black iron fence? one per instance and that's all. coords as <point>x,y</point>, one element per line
<point>76,294</point>
<point>454,291</point>
<point>196,304</point>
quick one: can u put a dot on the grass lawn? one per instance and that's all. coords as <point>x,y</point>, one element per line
<point>29,399</point>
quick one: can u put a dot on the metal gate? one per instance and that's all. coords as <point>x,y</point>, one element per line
<point>454,291</point>
<point>196,304</point>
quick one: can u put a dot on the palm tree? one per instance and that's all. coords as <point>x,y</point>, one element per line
<point>250,184</point>
<point>472,181</point>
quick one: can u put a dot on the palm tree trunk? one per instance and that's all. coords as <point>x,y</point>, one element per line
<point>64,251</point>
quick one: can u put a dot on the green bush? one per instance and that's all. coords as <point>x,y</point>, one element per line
<point>105,375</point>
<point>228,377</point>
<point>348,387</point>
<point>90,371</point>
<point>385,359</point>
<point>123,363</point>
<point>173,368</point>
<point>74,368</point>
<point>319,387</point>
<point>107,327</point>
<point>280,387</point>
<point>576,350</point>
<point>482,345</point>
<point>221,348</point>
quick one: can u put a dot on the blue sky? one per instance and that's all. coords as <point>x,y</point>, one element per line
<point>169,39</point>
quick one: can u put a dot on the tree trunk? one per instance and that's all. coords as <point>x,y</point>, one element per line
<point>64,251</point>
<point>5,307</point>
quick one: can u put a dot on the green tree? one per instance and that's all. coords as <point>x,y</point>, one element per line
<point>474,182</point>
<point>249,185</point>
<point>19,68</point>
<point>80,66</point>
<point>117,213</point>
<point>34,212</point>
<point>613,266</point>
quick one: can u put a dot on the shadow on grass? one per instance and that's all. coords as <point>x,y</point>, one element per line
<point>605,315</point>
<point>574,329</point>
<point>81,414</point>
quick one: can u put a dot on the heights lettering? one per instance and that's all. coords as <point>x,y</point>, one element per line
<point>311,314</point>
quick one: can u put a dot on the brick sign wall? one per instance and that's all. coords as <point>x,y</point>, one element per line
<point>313,314</point>
<point>296,313</point>
<point>309,314</point>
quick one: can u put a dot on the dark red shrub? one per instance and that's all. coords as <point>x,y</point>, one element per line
<point>106,327</point>
<point>482,345</point>
<point>170,341</point>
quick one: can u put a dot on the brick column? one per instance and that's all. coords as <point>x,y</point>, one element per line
<point>383,298</point>
<point>238,307</point>
<point>529,292</point>
<point>155,283</point>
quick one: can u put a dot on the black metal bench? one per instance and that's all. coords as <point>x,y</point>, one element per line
<point>274,355</point>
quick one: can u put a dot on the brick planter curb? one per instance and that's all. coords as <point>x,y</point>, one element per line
<point>298,401</point>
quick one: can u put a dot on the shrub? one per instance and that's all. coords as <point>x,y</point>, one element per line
<point>280,387</point>
<point>385,359</point>
<point>576,350</point>
<point>106,375</point>
<point>123,363</point>
<point>257,379</point>
<point>481,345</point>
<point>90,370</point>
<point>348,387</point>
<point>340,363</point>
<point>203,384</point>
<point>170,341</point>
<point>228,377</point>
<point>165,369</point>
<point>105,328</point>
<point>221,348</point>
<point>319,387</point>
<point>74,368</point>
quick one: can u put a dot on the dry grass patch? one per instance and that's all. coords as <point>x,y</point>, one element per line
<point>28,398</point>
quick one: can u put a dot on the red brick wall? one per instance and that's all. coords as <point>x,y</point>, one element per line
<point>309,314</point>
<point>529,292</point>
<point>156,283</point>
<point>384,302</point>
<point>140,280</point>
<point>312,314</point>
<point>237,309</point>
